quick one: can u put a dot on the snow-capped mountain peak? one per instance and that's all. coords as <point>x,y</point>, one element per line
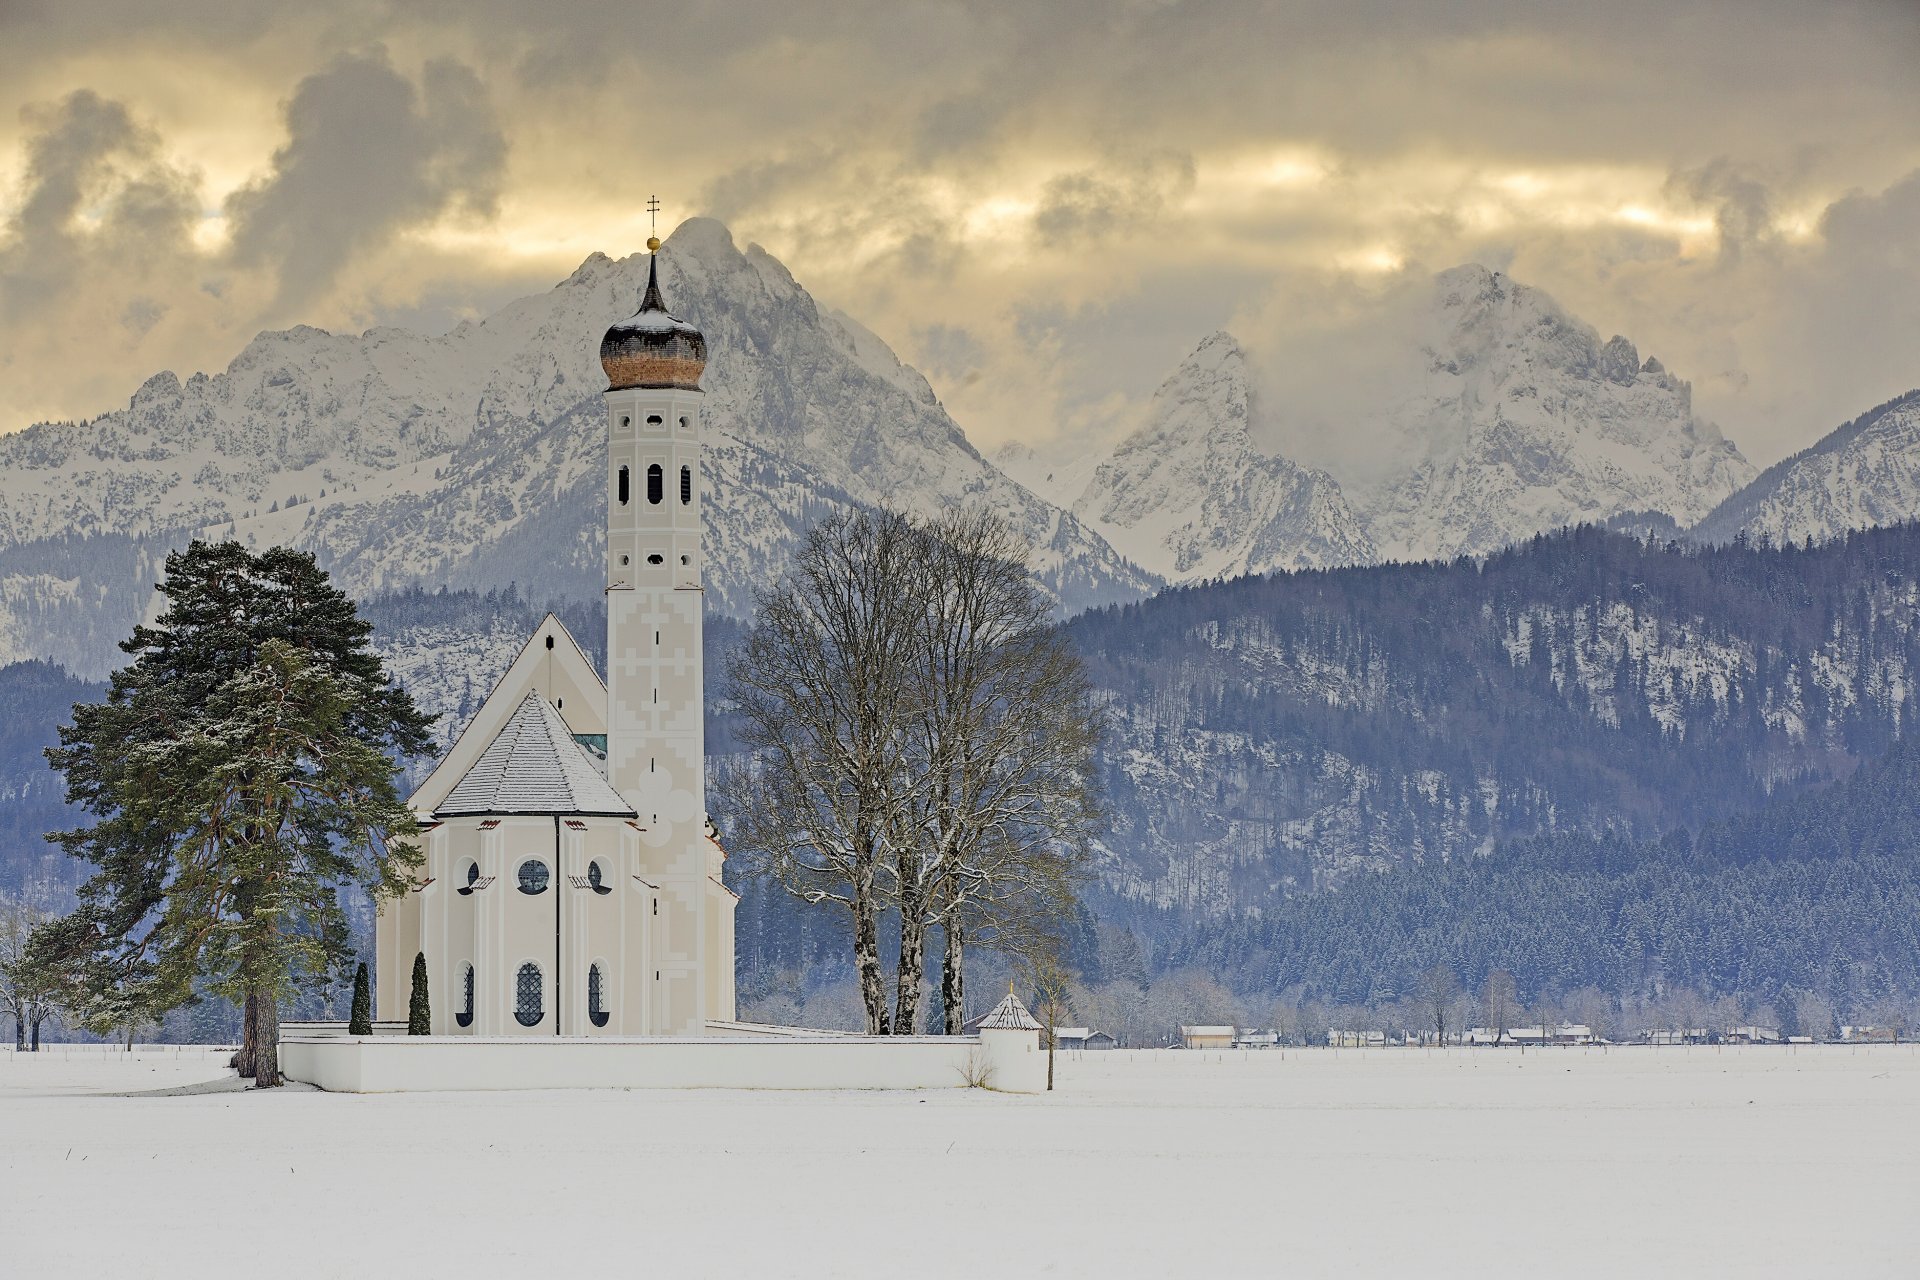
<point>477,458</point>
<point>1189,495</point>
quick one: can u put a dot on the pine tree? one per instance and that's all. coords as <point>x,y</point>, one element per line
<point>360,1021</point>
<point>241,771</point>
<point>419,1011</point>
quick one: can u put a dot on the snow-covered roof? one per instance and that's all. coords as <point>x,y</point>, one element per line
<point>1206,1031</point>
<point>1009,1015</point>
<point>1071,1033</point>
<point>533,765</point>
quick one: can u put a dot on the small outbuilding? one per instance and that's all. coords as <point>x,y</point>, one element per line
<point>1206,1037</point>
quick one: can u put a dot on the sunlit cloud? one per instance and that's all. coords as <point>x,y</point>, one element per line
<point>1071,204</point>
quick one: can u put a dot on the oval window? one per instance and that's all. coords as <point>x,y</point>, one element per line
<point>533,876</point>
<point>465,1016</point>
<point>473,878</point>
<point>596,878</point>
<point>596,998</point>
<point>527,1010</point>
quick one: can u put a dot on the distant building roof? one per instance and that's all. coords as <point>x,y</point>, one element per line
<point>1206,1031</point>
<point>1071,1033</point>
<point>534,766</point>
<point>1008,1015</point>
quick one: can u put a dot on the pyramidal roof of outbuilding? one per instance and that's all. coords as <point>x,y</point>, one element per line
<point>1008,1015</point>
<point>533,765</point>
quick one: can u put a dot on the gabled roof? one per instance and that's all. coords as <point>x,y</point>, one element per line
<point>1008,1015</point>
<point>551,664</point>
<point>533,765</point>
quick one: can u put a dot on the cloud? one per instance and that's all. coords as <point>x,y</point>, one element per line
<point>1093,205</point>
<point>1083,189</point>
<point>368,155</point>
<point>99,199</point>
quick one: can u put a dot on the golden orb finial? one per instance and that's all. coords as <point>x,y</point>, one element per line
<point>653,244</point>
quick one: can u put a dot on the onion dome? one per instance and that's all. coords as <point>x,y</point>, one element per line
<point>654,349</point>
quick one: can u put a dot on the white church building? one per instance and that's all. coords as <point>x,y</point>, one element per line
<point>576,929</point>
<point>572,883</point>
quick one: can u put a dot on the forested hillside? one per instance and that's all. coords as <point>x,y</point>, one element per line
<point>1273,736</point>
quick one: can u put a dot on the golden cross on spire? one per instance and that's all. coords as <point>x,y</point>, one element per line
<point>653,218</point>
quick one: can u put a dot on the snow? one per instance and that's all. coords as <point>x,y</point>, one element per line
<point>1766,1161</point>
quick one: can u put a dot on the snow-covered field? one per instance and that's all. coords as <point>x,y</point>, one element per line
<point>1660,1162</point>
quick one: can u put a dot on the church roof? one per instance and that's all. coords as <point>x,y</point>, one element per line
<point>533,765</point>
<point>1008,1015</point>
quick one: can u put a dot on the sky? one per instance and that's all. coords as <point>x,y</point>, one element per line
<point>1044,207</point>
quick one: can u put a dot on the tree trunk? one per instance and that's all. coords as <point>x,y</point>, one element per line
<point>913,959</point>
<point>130,1031</point>
<point>866,954</point>
<point>243,1061</point>
<point>36,1035</point>
<point>19,1034</point>
<point>266,1040</point>
<point>953,979</point>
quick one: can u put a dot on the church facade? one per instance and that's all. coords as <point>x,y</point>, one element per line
<point>572,883</point>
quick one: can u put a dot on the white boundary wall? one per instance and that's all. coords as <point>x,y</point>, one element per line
<point>1011,1061</point>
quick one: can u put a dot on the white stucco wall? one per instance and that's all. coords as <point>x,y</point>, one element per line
<point>393,1064</point>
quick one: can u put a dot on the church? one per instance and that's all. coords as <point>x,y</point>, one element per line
<point>572,883</point>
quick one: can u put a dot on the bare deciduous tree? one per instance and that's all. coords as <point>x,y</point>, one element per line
<point>1813,1013</point>
<point>1439,993</point>
<point>1052,986</point>
<point>26,994</point>
<point>921,739</point>
<point>1006,731</point>
<point>1498,1003</point>
<point>823,686</point>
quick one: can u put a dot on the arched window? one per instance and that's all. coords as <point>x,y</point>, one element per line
<point>654,488</point>
<point>533,877</point>
<point>596,998</point>
<point>623,486</point>
<point>686,485</point>
<point>465,1016</point>
<point>527,1010</point>
<point>596,879</point>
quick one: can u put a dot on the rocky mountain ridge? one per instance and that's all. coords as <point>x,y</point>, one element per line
<point>1511,418</point>
<point>475,458</point>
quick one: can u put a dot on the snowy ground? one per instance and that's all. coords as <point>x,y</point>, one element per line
<point>1663,1162</point>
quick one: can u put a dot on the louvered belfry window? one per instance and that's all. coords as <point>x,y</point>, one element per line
<point>656,485</point>
<point>527,1009</point>
<point>686,485</point>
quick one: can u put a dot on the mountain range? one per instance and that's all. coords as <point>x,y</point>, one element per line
<point>1510,417</point>
<point>472,458</point>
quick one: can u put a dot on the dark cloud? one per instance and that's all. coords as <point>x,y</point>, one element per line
<point>368,154</point>
<point>1743,207</point>
<point>99,198</point>
<point>1093,205</point>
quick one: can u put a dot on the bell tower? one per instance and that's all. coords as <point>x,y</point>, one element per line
<point>655,683</point>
